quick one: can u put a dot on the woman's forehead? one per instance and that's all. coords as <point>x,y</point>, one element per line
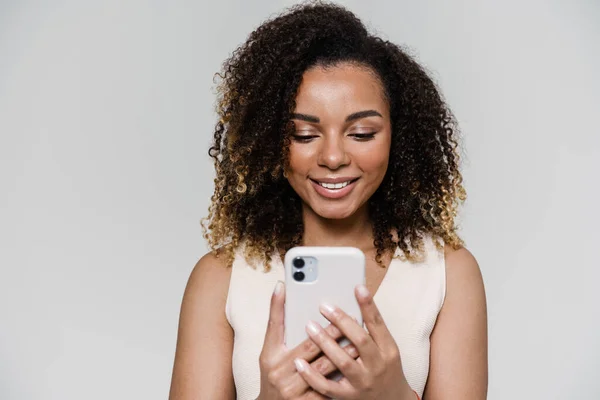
<point>340,89</point>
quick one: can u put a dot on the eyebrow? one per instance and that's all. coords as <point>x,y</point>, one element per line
<point>351,117</point>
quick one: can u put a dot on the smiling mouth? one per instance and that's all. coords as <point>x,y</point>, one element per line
<point>335,186</point>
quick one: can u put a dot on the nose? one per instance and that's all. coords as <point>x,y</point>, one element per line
<point>333,154</point>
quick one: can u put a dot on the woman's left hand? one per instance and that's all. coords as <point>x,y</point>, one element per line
<point>376,374</point>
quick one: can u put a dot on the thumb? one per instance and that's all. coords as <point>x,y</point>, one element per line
<point>275,327</point>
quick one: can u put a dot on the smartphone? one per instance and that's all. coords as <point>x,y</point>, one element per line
<point>314,275</point>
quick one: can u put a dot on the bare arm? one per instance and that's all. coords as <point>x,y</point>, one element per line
<point>202,368</point>
<point>459,364</point>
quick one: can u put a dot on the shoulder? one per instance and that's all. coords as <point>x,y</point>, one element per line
<point>205,338</point>
<point>209,277</point>
<point>205,296</point>
<point>464,283</point>
<point>460,261</point>
<point>463,275</point>
<point>212,264</point>
<point>459,337</point>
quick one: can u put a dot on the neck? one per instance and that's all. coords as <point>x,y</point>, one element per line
<point>355,231</point>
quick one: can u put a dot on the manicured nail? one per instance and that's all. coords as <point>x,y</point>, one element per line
<point>299,365</point>
<point>327,308</point>
<point>312,328</point>
<point>362,291</point>
<point>278,287</point>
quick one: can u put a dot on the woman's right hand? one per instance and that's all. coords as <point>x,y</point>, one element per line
<point>279,378</point>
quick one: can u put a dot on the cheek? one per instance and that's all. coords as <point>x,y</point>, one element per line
<point>299,158</point>
<point>375,160</point>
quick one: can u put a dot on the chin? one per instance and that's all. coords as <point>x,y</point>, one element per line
<point>336,212</point>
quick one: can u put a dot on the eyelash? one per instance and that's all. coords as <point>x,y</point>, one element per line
<point>303,138</point>
<point>361,137</point>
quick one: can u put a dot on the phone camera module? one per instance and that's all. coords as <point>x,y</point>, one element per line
<point>299,263</point>
<point>299,275</point>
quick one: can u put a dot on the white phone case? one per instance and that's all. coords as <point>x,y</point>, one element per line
<point>339,270</point>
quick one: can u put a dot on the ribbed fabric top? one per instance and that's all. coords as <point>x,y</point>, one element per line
<point>409,299</point>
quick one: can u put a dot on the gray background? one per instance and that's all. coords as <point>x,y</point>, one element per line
<point>106,112</point>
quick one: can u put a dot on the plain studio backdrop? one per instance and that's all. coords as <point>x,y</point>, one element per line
<point>106,115</point>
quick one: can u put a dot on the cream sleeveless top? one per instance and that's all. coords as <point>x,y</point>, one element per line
<point>409,298</point>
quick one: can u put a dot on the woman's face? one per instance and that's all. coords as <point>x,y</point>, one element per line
<point>341,143</point>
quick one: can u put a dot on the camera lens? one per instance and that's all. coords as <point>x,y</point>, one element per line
<point>299,275</point>
<point>298,262</point>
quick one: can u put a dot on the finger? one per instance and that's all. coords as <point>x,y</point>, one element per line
<point>318,382</point>
<point>325,366</point>
<point>275,328</point>
<point>321,365</point>
<point>373,320</point>
<point>308,350</point>
<point>332,349</point>
<point>312,395</point>
<point>355,333</point>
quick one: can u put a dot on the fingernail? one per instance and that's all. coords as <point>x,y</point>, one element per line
<point>327,308</point>
<point>299,365</point>
<point>278,287</point>
<point>362,291</point>
<point>312,328</point>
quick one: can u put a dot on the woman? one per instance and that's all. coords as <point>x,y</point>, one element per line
<point>330,136</point>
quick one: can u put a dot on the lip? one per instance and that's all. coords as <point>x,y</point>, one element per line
<point>334,193</point>
<point>338,179</point>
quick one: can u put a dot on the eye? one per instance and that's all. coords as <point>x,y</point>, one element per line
<point>363,137</point>
<point>303,138</point>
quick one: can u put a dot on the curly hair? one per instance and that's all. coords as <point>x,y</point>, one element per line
<point>253,202</point>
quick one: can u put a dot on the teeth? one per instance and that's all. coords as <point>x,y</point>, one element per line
<point>334,185</point>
